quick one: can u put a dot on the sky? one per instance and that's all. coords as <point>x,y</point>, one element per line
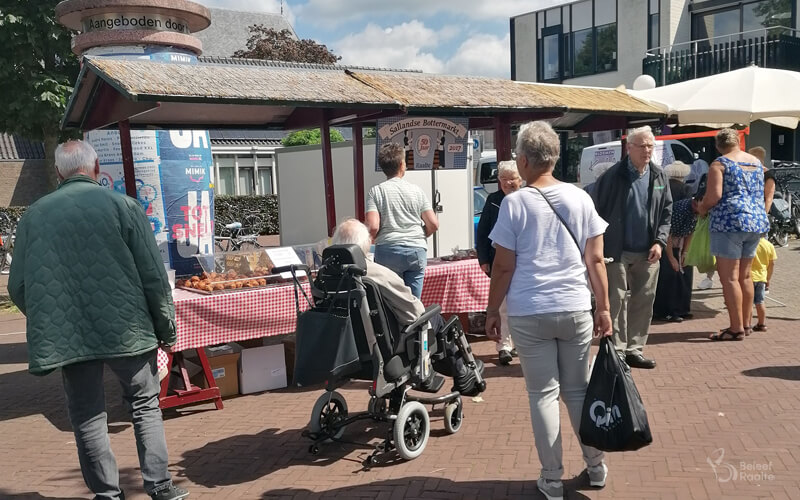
<point>461,37</point>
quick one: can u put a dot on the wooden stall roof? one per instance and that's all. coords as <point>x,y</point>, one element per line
<point>238,93</point>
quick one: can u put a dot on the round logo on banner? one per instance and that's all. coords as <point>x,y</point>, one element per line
<point>424,145</point>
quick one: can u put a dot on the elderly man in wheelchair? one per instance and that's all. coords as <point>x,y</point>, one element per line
<point>366,325</point>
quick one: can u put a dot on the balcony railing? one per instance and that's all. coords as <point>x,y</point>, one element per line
<point>768,48</point>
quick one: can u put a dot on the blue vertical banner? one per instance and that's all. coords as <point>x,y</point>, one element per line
<point>186,164</point>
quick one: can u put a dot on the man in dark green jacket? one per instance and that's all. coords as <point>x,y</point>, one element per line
<point>633,197</point>
<point>88,276</point>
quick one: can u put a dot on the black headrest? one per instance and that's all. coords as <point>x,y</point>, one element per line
<point>349,256</point>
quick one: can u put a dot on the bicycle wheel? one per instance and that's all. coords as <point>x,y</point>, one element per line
<point>222,243</point>
<point>249,245</point>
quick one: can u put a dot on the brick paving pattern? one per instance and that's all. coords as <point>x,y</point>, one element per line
<point>740,399</point>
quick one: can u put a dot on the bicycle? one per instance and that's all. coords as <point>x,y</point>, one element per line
<point>8,234</point>
<point>784,216</point>
<point>235,236</point>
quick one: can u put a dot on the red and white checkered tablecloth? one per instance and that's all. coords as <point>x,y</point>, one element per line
<point>459,286</point>
<point>205,320</point>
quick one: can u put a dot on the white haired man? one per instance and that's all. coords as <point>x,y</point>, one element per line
<point>405,306</point>
<point>509,180</point>
<point>88,276</point>
<point>633,196</point>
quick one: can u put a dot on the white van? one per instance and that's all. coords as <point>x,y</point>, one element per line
<point>665,153</point>
<point>486,171</point>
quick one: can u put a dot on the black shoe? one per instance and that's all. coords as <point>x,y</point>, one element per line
<point>505,357</point>
<point>171,493</point>
<point>514,352</point>
<point>639,361</point>
<point>674,319</point>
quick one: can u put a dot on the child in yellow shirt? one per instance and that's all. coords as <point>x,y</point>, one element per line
<point>761,271</point>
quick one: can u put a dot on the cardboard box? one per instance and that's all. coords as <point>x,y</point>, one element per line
<point>224,369</point>
<point>262,369</point>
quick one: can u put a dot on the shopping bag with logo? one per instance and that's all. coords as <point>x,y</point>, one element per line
<point>613,418</point>
<point>699,251</point>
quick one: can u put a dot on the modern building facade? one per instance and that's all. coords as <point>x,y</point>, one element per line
<point>609,43</point>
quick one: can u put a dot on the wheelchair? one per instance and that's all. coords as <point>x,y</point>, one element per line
<point>350,334</point>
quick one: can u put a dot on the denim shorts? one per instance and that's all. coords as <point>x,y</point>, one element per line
<point>737,245</point>
<point>760,287</point>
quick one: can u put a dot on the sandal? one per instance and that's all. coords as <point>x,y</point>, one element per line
<point>727,334</point>
<point>760,328</point>
<point>748,330</point>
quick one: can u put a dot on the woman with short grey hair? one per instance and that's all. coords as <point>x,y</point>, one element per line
<point>547,236</point>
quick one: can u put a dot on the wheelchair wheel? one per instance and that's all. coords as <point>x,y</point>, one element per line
<point>411,430</point>
<point>329,409</point>
<point>377,408</point>
<point>453,416</point>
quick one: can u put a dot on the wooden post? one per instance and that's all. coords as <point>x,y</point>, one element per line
<point>327,170</point>
<point>358,170</point>
<point>127,158</point>
<point>502,138</point>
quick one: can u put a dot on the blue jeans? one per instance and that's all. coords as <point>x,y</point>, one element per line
<point>83,385</point>
<point>408,262</point>
<point>736,245</point>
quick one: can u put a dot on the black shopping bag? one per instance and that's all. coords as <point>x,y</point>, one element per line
<point>613,417</point>
<point>326,347</point>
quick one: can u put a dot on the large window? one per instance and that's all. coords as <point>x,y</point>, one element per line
<point>226,175</point>
<point>243,174</point>
<point>577,39</point>
<point>740,21</point>
<point>653,24</point>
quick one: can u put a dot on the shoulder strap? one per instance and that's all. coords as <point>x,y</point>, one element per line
<point>559,218</point>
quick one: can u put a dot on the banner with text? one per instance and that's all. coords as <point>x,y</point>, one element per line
<point>429,143</point>
<point>146,168</point>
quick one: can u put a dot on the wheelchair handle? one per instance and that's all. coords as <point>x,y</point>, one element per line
<point>290,268</point>
<point>354,270</point>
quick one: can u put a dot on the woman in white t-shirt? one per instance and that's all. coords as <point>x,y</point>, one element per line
<point>547,236</point>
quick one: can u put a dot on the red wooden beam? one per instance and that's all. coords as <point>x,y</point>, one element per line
<point>127,157</point>
<point>327,170</point>
<point>358,170</point>
<point>502,138</point>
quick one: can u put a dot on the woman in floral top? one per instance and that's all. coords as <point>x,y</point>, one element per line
<point>735,199</point>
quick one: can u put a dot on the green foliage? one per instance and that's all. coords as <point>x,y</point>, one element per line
<point>229,209</point>
<point>370,132</point>
<point>272,45</point>
<point>310,136</point>
<point>37,68</point>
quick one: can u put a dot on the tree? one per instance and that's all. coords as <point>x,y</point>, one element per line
<point>310,136</point>
<point>270,44</point>
<point>37,71</point>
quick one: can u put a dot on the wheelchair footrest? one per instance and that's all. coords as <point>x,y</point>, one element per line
<point>432,385</point>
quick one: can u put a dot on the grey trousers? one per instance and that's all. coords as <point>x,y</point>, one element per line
<point>83,385</point>
<point>553,351</point>
<point>631,315</point>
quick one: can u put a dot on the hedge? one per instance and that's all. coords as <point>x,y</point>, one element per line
<point>263,210</point>
<point>258,211</point>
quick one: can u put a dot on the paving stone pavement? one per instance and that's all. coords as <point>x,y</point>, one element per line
<point>724,417</point>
